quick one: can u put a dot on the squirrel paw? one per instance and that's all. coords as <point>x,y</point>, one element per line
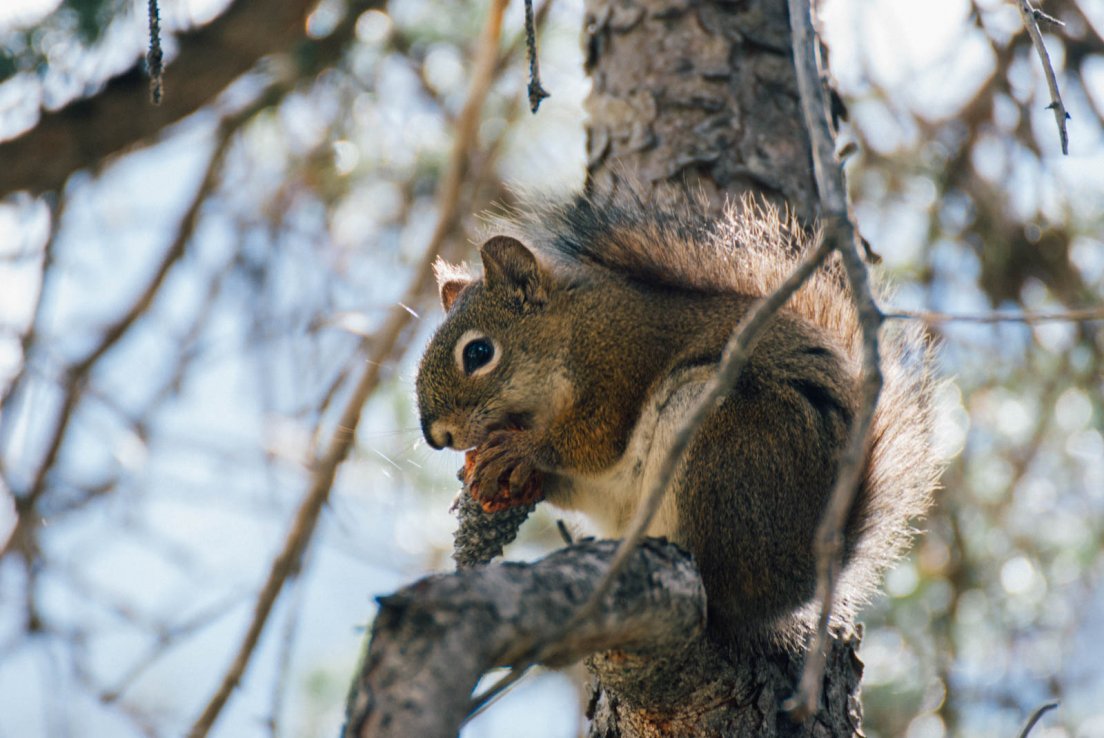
<point>501,473</point>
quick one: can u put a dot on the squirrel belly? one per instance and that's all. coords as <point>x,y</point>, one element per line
<point>608,499</point>
<point>576,355</point>
<point>753,485</point>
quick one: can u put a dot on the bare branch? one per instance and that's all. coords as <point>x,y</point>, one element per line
<point>424,659</point>
<point>86,131</point>
<point>27,339</point>
<point>76,376</point>
<point>1030,17</point>
<point>1036,716</point>
<point>288,561</point>
<point>166,637</point>
<point>842,234</point>
<point>288,639</point>
<point>385,343</point>
<point>154,56</point>
<point>537,93</point>
<point>1031,318</point>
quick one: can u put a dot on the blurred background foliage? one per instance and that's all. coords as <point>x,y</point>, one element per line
<point>180,329</point>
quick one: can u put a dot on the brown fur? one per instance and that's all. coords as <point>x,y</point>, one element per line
<point>607,318</point>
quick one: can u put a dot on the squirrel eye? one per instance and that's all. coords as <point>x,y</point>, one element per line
<point>477,354</point>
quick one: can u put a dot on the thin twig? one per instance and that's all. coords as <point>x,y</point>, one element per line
<point>154,57</point>
<point>385,342</point>
<point>495,692</point>
<point>144,723</point>
<point>1040,15</point>
<point>1030,17</point>
<point>1071,316</point>
<point>167,637</point>
<point>287,562</point>
<point>1036,716</point>
<point>536,90</point>
<point>283,659</point>
<point>77,374</point>
<point>842,234</point>
<point>28,338</point>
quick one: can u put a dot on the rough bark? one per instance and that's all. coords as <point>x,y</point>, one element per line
<point>707,695</point>
<point>432,641</point>
<point>86,131</point>
<point>691,99</point>
<point>696,97</point>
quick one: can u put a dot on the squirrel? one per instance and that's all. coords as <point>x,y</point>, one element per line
<point>569,365</point>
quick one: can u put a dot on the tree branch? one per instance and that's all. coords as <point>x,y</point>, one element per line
<point>842,234</point>
<point>87,131</point>
<point>1030,318</point>
<point>424,660</point>
<point>384,343</point>
<point>77,374</point>
<point>658,674</point>
<point>1030,17</point>
<point>1036,716</point>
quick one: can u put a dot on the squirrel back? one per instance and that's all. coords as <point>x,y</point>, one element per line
<point>680,261</point>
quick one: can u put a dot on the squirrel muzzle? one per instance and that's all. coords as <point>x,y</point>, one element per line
<point>436,435</point>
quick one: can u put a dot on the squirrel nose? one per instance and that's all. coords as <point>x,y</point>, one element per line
<point>436,436</point>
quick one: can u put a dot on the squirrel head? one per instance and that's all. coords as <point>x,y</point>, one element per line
<point>495,346</point>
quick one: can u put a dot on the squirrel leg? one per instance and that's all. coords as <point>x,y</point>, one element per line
<point>748,502</point>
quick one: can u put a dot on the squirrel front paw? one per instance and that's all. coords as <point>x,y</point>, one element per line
<point>501,472</point>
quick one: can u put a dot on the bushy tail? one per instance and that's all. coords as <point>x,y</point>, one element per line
<point>902,467</point>
<point>750,251</point>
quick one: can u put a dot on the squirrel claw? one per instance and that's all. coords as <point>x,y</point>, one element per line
<point>500,473</point>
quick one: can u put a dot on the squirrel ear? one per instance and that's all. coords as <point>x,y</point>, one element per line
<point>449,292</point>
<point>508,264</point>
<point>451,281</point>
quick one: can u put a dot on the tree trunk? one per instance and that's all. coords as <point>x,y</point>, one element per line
<point>691,100</point>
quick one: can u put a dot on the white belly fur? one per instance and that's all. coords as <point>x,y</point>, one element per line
<point>609,499</point>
